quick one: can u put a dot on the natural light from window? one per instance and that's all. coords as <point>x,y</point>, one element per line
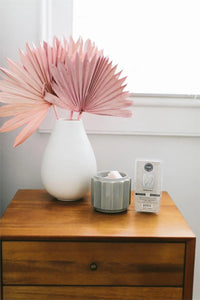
<point>155,42</point>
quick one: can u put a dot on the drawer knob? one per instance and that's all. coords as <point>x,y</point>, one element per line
<point>93,266</point>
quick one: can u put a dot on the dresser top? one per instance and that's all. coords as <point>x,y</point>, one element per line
<point>35,215</point>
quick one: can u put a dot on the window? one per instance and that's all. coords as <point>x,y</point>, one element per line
<point>156,43</point>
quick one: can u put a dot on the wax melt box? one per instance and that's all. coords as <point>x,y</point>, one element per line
<point>147,186</point>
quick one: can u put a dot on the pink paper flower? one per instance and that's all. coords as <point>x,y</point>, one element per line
<point>71,75</point>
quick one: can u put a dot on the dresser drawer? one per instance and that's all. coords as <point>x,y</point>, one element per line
<point>90,293</point>
<point>93,263</point>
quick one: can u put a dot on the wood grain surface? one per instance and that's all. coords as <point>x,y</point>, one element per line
<point>90,293</point>
<point>69,263</point>
<point>34,214</point>
<point>48,247</point>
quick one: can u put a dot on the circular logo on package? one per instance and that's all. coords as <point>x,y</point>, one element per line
<point>148,167</point>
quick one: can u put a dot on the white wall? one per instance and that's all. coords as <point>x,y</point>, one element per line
<point>20,167</point>
<point>19,22</point>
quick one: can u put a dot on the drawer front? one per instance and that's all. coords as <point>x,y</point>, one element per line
<point>92,263</point>
<point>90,293</point>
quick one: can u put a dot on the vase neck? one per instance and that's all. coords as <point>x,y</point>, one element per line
<point>65,127</point>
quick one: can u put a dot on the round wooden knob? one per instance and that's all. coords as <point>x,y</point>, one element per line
<point>93,266</point>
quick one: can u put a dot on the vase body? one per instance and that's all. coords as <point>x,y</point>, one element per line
<point>68,162</point>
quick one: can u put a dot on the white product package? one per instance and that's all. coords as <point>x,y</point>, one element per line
<point>148,182</point>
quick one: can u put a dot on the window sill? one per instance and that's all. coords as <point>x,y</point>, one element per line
<point>153,115</point>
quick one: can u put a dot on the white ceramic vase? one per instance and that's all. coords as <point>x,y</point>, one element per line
<point>68,162</point>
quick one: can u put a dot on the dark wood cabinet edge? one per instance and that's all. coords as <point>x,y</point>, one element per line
<point>189,269</point>
<point>98,239</point>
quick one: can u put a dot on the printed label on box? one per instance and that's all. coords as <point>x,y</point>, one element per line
<point>148,186</point>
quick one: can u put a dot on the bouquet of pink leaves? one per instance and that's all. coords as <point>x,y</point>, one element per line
<point>75,76</point>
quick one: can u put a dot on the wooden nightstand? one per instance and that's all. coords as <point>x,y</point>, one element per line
<point>66,250</point>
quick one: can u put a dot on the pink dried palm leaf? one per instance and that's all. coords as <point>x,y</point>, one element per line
<point>15,109</point>
<point>21,115</point>
<point>24,85</point>
<point>30,127</point>
<point>90,85</point>
<point>72,75</point>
